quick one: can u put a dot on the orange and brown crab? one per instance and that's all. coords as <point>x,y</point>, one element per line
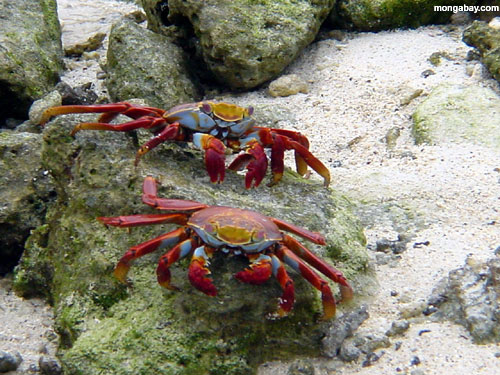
<point>212,127</point>
<point>206,229</point>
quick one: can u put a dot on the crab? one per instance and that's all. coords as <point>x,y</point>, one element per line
<point>207,229</point>
<point>214,127</point>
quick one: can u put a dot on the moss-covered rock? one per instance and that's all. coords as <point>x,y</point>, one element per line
<point>458,113</point>
<point>31,54</point>
<point>146,65</point>
<point>243,43</point>
<point>487,40</point>
<point>374,15</point>
<point>107,327</point>
<point>25,191</point>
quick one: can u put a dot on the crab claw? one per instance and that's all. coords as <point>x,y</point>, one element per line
<point>260,270</point>
<point>214,155</point>
<point>255,160</point>
<point>198,271</point>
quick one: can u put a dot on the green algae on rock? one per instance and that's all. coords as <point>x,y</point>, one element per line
<point>458,113</point>
<point>108,327</point>
<point>374,15</point>
<point>487,40</point>
<point>146,65</point>
<point>31,53</point>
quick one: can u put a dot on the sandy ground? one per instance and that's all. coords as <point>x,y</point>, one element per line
<point>447,194</point>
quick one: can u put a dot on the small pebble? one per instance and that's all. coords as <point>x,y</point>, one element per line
<point>398,327</point>
<point>287,85</point>
<point>415,361</point>
<point>301,367</point>
<point>49,366</point>
<point>9,362</point>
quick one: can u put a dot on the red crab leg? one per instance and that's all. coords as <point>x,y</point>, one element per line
<point>198,270</point>
<point>304,233</point>
<point>258,272</point>
<point>138,220</point>
<point>287,299</point>
<point>255,160</point>
<point>215,155</point>
<point>323,267</point>
<point>329,306</point>
<point>165,240</point>
<point>109,111</point>
<point>170,132</point>
<point>145,122</point>
<point>149,197</point>
<point>179,251</point>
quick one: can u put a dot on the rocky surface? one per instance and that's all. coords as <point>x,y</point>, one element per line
<point>486,38</point>
<point>31,54</point>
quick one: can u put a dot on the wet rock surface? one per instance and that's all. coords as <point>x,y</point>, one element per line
<point>31,54</point>
<point>470,296</point>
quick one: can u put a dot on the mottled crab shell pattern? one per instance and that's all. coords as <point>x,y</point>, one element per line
<point>206,229</point>
<point>216,128</point>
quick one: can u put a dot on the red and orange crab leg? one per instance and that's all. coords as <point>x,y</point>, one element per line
<point>289,258</point>
<point>259,271</point>
<point>255,160</point>
<point>304,233</point>
<point>215,155</point>
<point>300,163</point>
<point>287,299</point>
<point>198,270</point>
<point>332,273</point>
<point>150,197</point>
<point>179,251</point>
<point>109,112</point>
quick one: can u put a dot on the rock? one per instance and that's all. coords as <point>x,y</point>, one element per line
<point>341,329</point>
<point>31,54</point>
<point>25,191</point>
<point>49,366</point>
<point>287,85</point>
<point>147,329</point>
<point>369,15</point>
<point>398,327</point>
<point>9,362</point>
<point>301,367</point>
<point>142,64</point>
<point>91,44</point>
<point>458,113</point>
<point>487,40</point>
<point>470,296</point>
<point>243,44</point>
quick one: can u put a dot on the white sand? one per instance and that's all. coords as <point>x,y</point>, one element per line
<point>355,89</point>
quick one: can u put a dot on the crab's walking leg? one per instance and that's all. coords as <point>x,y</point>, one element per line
<point>260,270</point>
<point>170,132</point>
<point>287,299</point>
<point>145,122</point>
<point>215,155</point>
<point>165,240</point>
<point>179,251</point>
<point>327,270</point>
<point>289,258</point>
<point>150,197</point>
<point>304,233</point>
<point>109,111</point>
<point>198,270</point>
<point>138,220</point>
<point>255,160</point>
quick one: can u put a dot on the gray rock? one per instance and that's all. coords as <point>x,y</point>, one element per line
<point>369,15</point>
<point>104,320</point>
<point>30,54</point>
<point>458,113</point>
<point>301,367</point>
<point>242,43</point>
<point>470,296</point>
<point>142,64</point>
<point>9,362</point>
<point>25,191</point>
<point>487,40</point>
<point>398,327</point>
<point>341,329</point>
<point>49,366</point>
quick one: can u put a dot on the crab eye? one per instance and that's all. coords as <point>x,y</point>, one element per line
<point>207,108</point>
<point>250,110</point>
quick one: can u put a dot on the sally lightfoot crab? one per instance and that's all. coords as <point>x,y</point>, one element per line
<point>206,229</point>
<point>213,127</point>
